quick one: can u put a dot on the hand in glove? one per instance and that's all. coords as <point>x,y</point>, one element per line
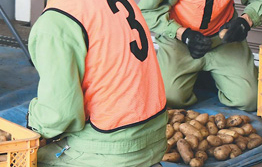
<point>196,42</point>
<point>237,30</point>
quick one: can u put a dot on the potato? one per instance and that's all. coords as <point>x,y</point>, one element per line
<point>245,119</point>
<point>211,118</point>
<point>176,126</point>
<point>241,142</point>
<point>248,128</point>
<point>169,131</point>
<point>196,162</point>
<point>180,111</point>
<point>226,139</point>
<point>196,124</point>
<point>173,156</point>
<point>203,145</point>
<point>203,130</point>
<point>222,152</point>
<point>214,141</point>
<point>212,128</point>
<point>254,142</point>
<point>235,151</point>
<point>192,114</point>
<point>241,139</point>
<point>177,118</point>
<point>234,120</point>
<point>241,145</point>
<point>185,150</point>
<point>173,140</point>
<point>238,130</point>
<point>202,118</point>
<point>188,129</point>
<point>201,155</point>
<point>254,135</point>
<point>220,121</point>
<point>228,132</point>
<point>192,140</point>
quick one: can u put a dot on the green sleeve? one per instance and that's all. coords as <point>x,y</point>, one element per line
<point>58,51</point>
<point>254,11</point>
<point>156,14</point>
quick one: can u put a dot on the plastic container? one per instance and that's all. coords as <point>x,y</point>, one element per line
<point>21,151</point>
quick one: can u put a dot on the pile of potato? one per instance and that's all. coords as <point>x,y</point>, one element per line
<point>193,137</point>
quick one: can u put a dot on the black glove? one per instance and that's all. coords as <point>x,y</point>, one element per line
<point>196,42</point>
<point>237,30</point>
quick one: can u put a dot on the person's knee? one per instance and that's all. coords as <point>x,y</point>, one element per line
<point>248,102</point>
<point>244,100</point>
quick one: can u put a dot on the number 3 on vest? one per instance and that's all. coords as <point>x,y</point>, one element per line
<point>140,54</point>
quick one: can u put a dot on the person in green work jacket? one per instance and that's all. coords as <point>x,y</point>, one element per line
<point>187,33</point>
<point>101,97</point>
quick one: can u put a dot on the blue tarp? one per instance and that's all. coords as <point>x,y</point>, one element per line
<point>18,85</point>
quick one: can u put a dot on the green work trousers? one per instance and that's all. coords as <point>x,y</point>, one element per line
<point>231,65</point>
<point>75,158</point>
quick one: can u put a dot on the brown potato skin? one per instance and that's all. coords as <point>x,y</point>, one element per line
<point>202,118</point>
<point>203,145</point>
<point>254,142</point>
<point>173,156</point>
<point>185,150</point>
<point>214,141</point>
<point>235,151</point>
<point>238,130</point>
<point>226,139</point>
<point>248,128</point>
<point>234,120</point>
<point>169,131</point>
<point>211,118</point>
<point>192,140</point>
<point>228,132</point>
<point>222,152</point>
<point>173,140</point>
<point>196,124</point>
<point>245,119</point>
<point>192,114</point>
<point>176,126</point>
<point>212,128</point>
<point>254,135</point>
<point>203,130</point>
<point>220,121</point>
<point>201,155</point>
<point>177,118</point>
<point>188,129</point>
<point>196,162</point>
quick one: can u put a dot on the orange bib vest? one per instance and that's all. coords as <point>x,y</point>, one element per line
<point>205,16</point>
<point>122,85</point>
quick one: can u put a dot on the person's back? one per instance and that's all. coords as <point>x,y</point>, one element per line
<point>102,64</point>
